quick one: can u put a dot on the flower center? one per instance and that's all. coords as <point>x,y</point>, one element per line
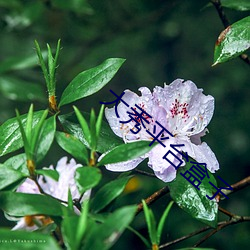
<point>180,110</point>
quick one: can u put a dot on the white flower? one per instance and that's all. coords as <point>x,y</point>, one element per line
<point>58,189</point>
<point>182,109</point>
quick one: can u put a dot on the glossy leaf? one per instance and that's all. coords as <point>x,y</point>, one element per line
<point>84,125</point>
<point>107,138</point>
<point>90,81</point>
<point>20,204</point>
<point>53,174</point>
<point>126,152</point>
<point>108,193</point>
<point>46,137</point>
<point>69,230</point>
<point>241,5</point>
<point>10,136</point>
<point>151,223</point>
<point>8,176</point>
<point>73,146</point>
<point>233,41</point>
<point>19,90</point>
<point>16,240</point>
<point>194,201</point>
<point>18,162</point>
<point>162,221</point>
<point>105,235</point>
<point>87,177</point>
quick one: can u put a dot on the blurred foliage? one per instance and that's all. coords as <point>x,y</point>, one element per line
<point>161,41</point>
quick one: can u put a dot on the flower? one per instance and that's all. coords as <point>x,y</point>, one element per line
<point>58,189</point>
<point>182,109</point>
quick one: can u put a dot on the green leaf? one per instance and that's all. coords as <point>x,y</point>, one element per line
<point>126,152</point>
<point>82,223</point>
<point>20,204</point>
<point>16,240</point>
<point>69,230</point>
<point>233,41</point>
<point>18,162</point>
<point>84,125</point>
<point>107,139</point>
<point>241,5</point>
<point>108,193</point>
<point>73,146</point>
<point>194,201</point>
<point>10,136</point>
<point>151,223</point>
<point>90,81</point>
<point>99,122</point>
<point>143,239</point>
<point>92,127</point>
<point>53,174</point>
<point>19,90</point>
<point>162,221</point>
<point>87,177</point>
<point>74,228</point>
<point>46,137</point>
<point>8,176</point>
<point>105,235</point>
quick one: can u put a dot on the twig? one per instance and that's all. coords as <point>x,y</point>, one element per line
<point>144,173</point>
<point>204,229</point>
<point>42,192</point>
<point>224,211</point>
<point>221,225</point>
<point>234,220</point>
<point>226,23</point>
<point>152,198</point>
<point>237,186</point>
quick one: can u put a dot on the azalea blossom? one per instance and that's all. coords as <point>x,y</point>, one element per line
<point>58,189</point>
<point>182,109</point>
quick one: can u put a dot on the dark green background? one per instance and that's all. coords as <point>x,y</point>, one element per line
<point>162,41</point>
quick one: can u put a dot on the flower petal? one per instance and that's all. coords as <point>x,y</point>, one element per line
<point>123,129</point>
<point>162,168</point>
<point>189,110</point>
<point>29,187</point>
<point>201,153</point>
<point>126,165</point>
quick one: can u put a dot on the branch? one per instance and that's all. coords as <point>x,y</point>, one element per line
<point>235,220</point>
<point>226,23</point>
<point>237,186</point>
<point>185,237</point>
<point>144,173</point>
<point>152,198</point>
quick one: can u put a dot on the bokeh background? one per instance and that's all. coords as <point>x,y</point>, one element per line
<point>161,41</point>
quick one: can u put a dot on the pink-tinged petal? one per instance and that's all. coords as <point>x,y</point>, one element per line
<point>201,153</point>
<point>59,189</point>
<point>167,174</point>
<point>189,110</point>
<point>162,168</point>
<point>123,130</point>
<point>126,165</point>
<point>196,139</point>
<point>29,187</point>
